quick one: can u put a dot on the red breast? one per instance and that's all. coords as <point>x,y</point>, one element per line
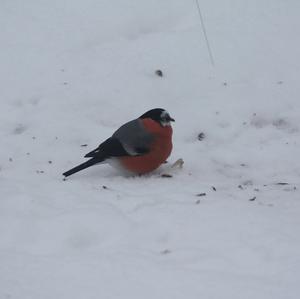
<point>160,149</point>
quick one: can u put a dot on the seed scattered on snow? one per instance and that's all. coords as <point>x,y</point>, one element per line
<point>197,201</point>
<point>10,159</point>
<point>252,199</point>
<point>83,145</point>
<point>159,73</point>
<point>166,175</point>
<point>214,188</point>
<point>104,187</point>
<point>50,162</point>
<point>179,163</point>
<point>201,194</point>
<point>201,136</point>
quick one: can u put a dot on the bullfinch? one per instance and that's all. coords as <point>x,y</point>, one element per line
<point>138,147</point>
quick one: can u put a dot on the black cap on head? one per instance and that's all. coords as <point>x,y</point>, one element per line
<point>159,115</point>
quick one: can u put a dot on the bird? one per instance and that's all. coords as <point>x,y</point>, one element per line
<point>137,147</point>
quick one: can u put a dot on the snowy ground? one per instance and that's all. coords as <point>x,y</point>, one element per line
<point>72,72</point>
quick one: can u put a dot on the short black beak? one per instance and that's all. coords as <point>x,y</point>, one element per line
<point>170,118</point>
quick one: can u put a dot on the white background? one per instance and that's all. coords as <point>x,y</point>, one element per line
<point>72,72</point>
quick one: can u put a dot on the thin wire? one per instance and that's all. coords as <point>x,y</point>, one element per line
<point>205,34</point>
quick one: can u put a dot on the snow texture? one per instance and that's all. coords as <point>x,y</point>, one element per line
<point>226,225</point>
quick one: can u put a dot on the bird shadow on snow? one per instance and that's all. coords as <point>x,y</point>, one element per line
<point>106,172</point>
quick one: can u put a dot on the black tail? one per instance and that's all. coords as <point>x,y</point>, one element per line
<point>91,154</point>
<point>82,166</point>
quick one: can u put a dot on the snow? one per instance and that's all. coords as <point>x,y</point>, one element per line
<point>72,72</point>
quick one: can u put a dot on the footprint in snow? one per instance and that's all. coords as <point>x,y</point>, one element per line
<point>19,129</point>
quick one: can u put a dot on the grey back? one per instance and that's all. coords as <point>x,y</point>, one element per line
<point>133,136</point>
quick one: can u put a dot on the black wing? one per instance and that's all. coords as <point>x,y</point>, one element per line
<point>112,147</point>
